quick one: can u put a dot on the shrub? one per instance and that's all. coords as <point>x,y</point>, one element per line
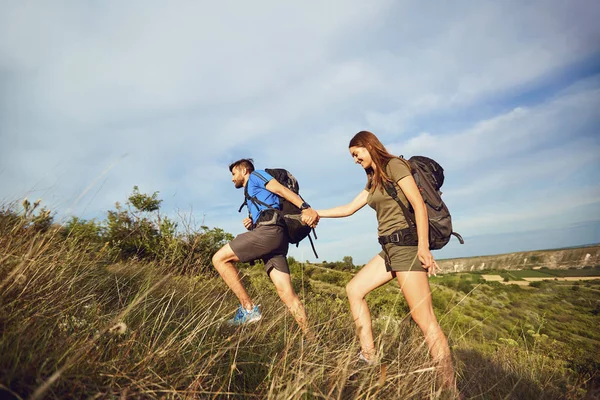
<point>440,300</point>
<point>332,277</point>
<point>139,231</point>
<point>465,287</point>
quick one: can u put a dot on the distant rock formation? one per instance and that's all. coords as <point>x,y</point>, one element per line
<point>577,257</point>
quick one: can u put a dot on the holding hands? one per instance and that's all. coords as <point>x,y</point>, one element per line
<point>310,217</point>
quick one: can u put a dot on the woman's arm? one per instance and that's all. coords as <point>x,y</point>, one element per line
<point>343,211</point>
<point>413,195</point>
<point>411,191</point>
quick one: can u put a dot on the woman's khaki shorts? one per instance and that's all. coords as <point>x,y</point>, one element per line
<point>401,258</point>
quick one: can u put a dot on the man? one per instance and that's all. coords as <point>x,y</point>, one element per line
<point>266,240</point>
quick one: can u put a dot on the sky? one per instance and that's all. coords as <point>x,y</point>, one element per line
<point>99,96</point>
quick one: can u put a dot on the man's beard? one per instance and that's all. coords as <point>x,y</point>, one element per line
<point>239,185</point>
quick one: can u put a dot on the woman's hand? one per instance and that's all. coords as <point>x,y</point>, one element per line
<point>427,261</point>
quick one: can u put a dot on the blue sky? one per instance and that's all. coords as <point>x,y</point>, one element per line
<point>96,97</point>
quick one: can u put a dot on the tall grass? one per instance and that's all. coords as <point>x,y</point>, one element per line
<point>76,326</point>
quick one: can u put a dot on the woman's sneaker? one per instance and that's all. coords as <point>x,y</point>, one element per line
<point>361,365</point>
<point>365,360</point>
<point>243,316</point>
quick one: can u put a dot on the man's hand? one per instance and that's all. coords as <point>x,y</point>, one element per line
<point>247,223</point>
<point>310,217</point>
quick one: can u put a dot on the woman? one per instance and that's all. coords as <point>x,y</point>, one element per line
<point>410,264</point>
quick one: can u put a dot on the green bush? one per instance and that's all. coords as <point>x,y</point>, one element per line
<point>332,277</point>
<point>465,286</point>
<point>138,231</point>
<point>440,300</point>
<point>387,301</point>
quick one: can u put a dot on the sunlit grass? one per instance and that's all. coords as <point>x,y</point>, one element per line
<point>74,325</point>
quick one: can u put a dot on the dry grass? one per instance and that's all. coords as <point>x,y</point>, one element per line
<point>73,326</point>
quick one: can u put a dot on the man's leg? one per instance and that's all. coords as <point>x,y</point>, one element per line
<point>223,261</point>
<point>283,284</point>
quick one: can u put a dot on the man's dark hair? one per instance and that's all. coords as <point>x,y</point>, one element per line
<point>244,163</point>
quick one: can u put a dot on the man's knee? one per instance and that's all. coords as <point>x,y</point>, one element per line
<point>217,258</point>
<point>223,255</point>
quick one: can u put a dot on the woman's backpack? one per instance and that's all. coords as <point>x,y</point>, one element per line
<point>429,176</point>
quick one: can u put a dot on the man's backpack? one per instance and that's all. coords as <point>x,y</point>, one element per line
<point>291,215</point>
<point>429,176</point>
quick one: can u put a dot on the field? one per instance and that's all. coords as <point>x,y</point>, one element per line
<point>522,277</point>
<point>583,272</point>
<point>531,274</point>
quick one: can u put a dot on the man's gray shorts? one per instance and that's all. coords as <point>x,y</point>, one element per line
<point>268,243</point>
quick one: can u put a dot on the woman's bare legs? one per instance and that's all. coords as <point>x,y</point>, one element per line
<point>415,286</point>
<point>370,277</point>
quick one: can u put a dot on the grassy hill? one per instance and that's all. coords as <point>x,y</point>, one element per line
<point>79,321</point>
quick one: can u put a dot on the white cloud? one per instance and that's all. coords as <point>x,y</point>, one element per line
<point>544,211</point>
<point>522,130</point>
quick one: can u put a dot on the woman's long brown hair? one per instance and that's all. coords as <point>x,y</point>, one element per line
<point>379,155</point>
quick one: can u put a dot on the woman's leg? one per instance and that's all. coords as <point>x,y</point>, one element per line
<point>370,277</point>
<point>415,286</point>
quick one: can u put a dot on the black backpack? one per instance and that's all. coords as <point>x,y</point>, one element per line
<point>429,176</point>
<point>290,214</point>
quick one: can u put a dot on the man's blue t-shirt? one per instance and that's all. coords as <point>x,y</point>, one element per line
<point>256,188</point>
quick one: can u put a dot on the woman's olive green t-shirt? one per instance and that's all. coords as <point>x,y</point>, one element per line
<point>390,219</point>
<point>389,215</point>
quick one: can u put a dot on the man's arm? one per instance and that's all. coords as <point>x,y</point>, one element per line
<point>274,186</point>
<point>309,215</point>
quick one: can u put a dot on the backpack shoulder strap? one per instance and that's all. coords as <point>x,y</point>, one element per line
<point>253,199</point>
<point>390,188</point>
<point>265,180</point>
<point>246,198</point>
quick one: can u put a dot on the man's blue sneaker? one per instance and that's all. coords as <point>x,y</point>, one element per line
<point>243,316</point>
